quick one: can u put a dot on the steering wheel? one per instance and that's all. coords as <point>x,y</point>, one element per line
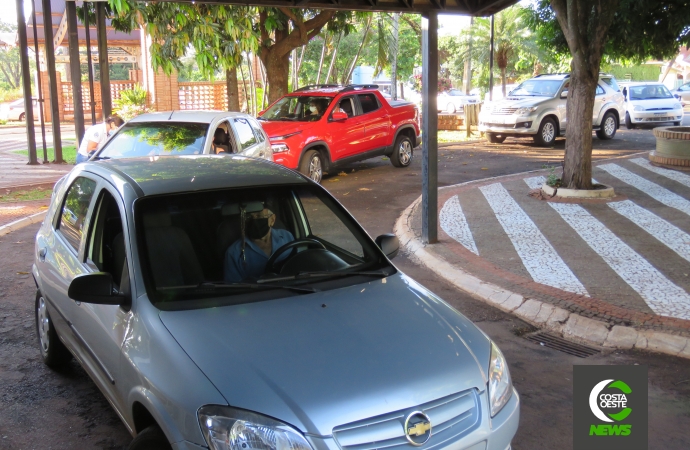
<point>309,242</point>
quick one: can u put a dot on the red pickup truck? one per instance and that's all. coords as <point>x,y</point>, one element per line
<point>318,128</point>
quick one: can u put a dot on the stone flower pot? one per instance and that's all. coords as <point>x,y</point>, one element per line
<point>672,147</point>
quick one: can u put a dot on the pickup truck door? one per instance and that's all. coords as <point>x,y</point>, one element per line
<point>377,124</point>
<point>347,136</point>
<point>599,101</point>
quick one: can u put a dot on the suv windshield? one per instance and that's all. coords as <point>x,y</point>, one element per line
<point>537,88</point>
<point>212,247</point>
<point>298,108</point>
<point>156,139</point>
<point>648,92</point>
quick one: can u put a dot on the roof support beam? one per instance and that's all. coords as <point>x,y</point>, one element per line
<point>104,69</point>
<point>52,81</point>
<point>75,70</point>
<point>429,127</point>
<point>26,82</point>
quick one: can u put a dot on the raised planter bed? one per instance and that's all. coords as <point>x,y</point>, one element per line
<point>599,191</point>
<point>672,147</point>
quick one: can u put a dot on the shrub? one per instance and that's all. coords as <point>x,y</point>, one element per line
<point>131,103</point>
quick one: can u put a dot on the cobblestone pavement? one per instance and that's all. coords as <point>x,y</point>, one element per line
<point>9,212</point>
<point>624,260</point>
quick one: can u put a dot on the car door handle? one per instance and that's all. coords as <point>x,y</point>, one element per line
<point>42,253</point>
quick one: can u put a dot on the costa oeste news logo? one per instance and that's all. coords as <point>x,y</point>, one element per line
<point>610,407</point>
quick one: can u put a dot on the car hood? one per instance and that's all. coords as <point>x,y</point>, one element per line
<point>281,128</point>
<point>652,104</point>
<point>320,360</point>
<point>519,102</point>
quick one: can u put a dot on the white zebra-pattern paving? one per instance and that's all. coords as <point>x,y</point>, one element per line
<point>667,233</point>
<point>672,174</point>
<point>535,182</point>
<point>663,296</point>
<point>454,223</point>
<point>538,256</point>
<point>655,191</point>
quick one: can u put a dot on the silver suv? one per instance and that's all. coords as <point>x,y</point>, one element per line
<point>537,108</point>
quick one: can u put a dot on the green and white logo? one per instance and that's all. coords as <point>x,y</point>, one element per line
<point>612,401</point>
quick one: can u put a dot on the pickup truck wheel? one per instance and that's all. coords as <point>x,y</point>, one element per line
<point>546,136</point>
<point>53,351</point>
<point>312,165</point>
<point>608,127</point>
<point>150,438</point>
<point>402,152</point>
<point>22,116</point>
<point>450,108</point>
<point>628,123</point>
<point>495,138</point>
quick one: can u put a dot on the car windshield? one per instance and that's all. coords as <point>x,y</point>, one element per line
<point>156,139</point>
<point>211,248</point>
<point>297,108</point>
<point>649,92</point>
<point>537,88</point>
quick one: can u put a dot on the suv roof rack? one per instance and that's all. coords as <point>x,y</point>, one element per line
<point>354,87</point>
<point>312,87</point>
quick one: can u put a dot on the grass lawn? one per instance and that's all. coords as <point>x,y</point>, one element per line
<point>69,153</point>
<point>25,196</point>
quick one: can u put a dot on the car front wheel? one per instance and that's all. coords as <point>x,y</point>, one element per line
<point>608,127</point>
<point>628,122</point>
<point>150,438</point>
<point>53,351</point>
<point>402,152</point>
<point>546,136</point>
<point>312,165</point>
<point>495,138</point>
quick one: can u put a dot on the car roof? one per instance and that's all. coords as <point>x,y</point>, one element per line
<point>191,173</point>
<point>644,83</point>
<point>192,116</point>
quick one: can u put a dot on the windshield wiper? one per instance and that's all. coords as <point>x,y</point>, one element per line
<point>223,285</point>
<point>306,275</point>
<point>98,158</point>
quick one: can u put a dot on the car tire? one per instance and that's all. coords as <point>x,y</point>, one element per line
<point>450,108</point>
<point>402,152</point>
<point>53,351</point>
<point>150,438</point>
<point>546,135</point>
<point>628,122</point>
<point>494,138</point>
<point>22,116</point>
<point>676,124</point>
<point>312,165</point>
<point>608,128</point>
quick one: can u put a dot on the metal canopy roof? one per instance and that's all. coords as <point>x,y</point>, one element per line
<point>466,7</point>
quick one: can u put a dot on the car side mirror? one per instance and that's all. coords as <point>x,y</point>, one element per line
<point>564,93</point>
<point>389,244</point>
<point>338,116</point>
<point>96,288</point>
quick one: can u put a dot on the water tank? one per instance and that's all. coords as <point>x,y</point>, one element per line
<point>363,75</point>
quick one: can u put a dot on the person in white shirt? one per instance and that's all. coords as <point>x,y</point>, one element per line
<point>95,137</point>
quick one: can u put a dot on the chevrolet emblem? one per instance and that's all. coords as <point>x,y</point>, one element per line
<point>419,429</point>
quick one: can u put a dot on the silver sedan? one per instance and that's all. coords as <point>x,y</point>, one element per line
<point>226,302</point>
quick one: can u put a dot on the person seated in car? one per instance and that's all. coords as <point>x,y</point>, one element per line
<point>219,141</point>
<point>246,258</point>
<point>315,110</point>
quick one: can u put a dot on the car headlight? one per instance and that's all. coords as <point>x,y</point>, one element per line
<point>280,148</point>
<point>525,111</point>
<point>500,385</point>
<point>228,428</point>
<point>639,108</point>
<point>677,106</point>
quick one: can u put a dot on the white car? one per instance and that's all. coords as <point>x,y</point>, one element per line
<point>683,94</point>
<point>537,108</point>
<point>15,110</point>
<point>650,102</point>
<point>454,99</point>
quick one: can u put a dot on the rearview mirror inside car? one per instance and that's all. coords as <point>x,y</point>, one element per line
<point>389,244</point>
<point>95,288</point>
<point>338,116</point>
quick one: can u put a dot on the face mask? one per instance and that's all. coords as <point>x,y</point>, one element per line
<point>256,228</point>
<point>312,109</point>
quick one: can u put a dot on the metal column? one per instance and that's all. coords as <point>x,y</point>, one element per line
<point>52,81</point>
<point>103,64</point>
<point>39,87</point>
<point>89,62</point>
<point>429,128</point>
<point>26,82</point>
<point>75,69</point>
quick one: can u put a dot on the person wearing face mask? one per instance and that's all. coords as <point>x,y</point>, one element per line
<point>96,136</point>
<point>246,258</point>
<point>314,110</point>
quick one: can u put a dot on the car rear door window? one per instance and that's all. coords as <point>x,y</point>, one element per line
<point>600,90</point>
<point>258,130</point>
<point>245,134</point>
<point>74,210</point>
<point>368,102</point>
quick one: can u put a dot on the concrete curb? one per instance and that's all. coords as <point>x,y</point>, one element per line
<point>543,315</point>
<point>21,223</point>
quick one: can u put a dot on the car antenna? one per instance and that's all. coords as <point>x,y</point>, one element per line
<point>171,113</point>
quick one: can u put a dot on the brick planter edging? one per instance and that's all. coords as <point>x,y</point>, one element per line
<point>672,133</point>
<point>21,223</point>
<point>543,315</point>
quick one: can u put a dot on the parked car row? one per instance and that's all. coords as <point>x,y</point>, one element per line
<point>15,110</point>
<point>650,103</point>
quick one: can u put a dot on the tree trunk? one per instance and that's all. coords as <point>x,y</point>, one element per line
<point>503,80</point>
<point>335,55</point>
<point>323,53</point>
<point>277,75</point>
<point>244,84</point>
<point>233,89</point>
<point>252,83</point>
<point>467,75</point>
<point>577,172</point>
<point>394,56</point>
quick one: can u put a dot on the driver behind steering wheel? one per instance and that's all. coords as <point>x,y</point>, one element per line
<point>246,258</point>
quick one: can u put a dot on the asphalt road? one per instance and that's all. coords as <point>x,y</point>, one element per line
<point>40,408</point>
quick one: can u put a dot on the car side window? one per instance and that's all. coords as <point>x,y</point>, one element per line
<point>74,210</point>
<point>600,90</point>
<point>258,130</point>
<point>347,106</point>
<point>685,87</point>
<point>368,102</point>
<point>105,250</point>
<point>245,134</point>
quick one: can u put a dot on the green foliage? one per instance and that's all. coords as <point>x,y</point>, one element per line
<point>646,72</point>
<point>10,95</point>
<point>553,180</point>
<point>131,103</point>
<point>69,153</point>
